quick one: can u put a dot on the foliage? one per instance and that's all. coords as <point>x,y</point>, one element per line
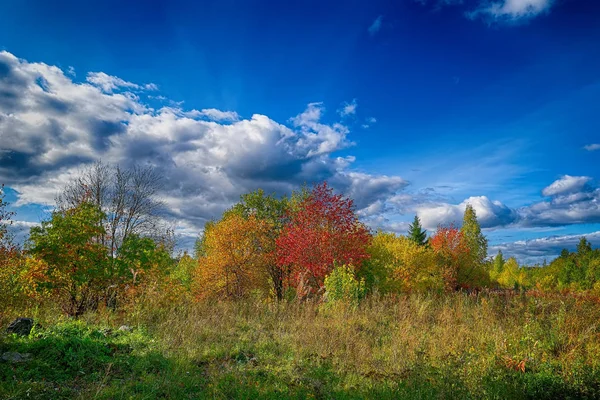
<point>141,255</point>
<point>511,275</point>
<point>76,263</point>
<point>10,258</point>
<point>273,212</point>
<point>323,230</point>
<point>238,254</point>
<point>398,264</point>
<point>474,239</point>
<point>341,286</point>
<point>416,233</point>
<point>183,271</point>
<point>452,255</point>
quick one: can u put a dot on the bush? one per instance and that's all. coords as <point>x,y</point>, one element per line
<point>341,286</point>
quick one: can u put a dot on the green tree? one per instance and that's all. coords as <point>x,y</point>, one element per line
<point>475,240</point>
<point>76,263</point>
<point>497,266</point>
<point>273,211</point>
<point>416,233</point>
<point>141,255</point>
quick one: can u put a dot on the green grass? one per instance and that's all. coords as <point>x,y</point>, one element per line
<point>420,347</point>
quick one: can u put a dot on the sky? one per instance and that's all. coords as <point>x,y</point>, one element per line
<point>407,106</point>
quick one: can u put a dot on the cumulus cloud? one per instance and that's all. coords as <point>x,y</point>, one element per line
<point>566,184</point>
<point>375,26</point>
<point>592,147</point>
<point>51,127</point>
<point>571,200</point>
<point>489,213</point>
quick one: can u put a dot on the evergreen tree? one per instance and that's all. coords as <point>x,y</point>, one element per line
<point>416,233</point>
<point>476,241</point>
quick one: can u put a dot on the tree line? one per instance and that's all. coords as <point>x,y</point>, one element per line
<point>106,245</point>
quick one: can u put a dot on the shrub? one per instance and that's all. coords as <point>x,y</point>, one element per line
<point>341,286</point>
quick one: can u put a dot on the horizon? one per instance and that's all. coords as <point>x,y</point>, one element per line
<point>410,108</point>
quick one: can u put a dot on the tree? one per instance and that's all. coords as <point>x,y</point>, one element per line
<point>416,233</point>
<point>75,260</point>
<point>323,230</point>
<point>398,264</point>
<point>139,256</point>
<point>273,211</point>
<point>452,256</point>
<point>10,256</point>
<point>511,276</point>
<point>474,239</point>
<point>128,199</point>
<point>499,262</point>
<point>238,252</point>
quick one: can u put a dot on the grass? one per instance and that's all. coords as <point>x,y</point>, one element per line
<point>421,347</point>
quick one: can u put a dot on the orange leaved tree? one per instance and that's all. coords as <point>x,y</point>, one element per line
<point>452,255</point>
<point>237,254</point>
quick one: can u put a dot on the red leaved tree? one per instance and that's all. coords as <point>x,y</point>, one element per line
<point>322,230</point>
<point>452,254</point>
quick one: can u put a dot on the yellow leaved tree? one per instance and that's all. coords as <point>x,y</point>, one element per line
<point>237,253</point>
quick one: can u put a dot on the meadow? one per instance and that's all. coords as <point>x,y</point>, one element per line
<point>415,347</point>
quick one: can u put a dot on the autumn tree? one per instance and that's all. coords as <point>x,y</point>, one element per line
<point>273,212</point>
<point>237,252</point>
<point>10,257</point>
<point>416,233</point>
<point>323,230</point>
<point>75,260</point>
<point>475,240</point>
<point>399,264</point>
<point>512,276</point>
<point>452,255</point>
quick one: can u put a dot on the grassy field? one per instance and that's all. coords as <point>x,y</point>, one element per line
<point>449,346</point>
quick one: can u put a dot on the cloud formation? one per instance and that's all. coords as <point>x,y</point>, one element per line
<point>52,126</point>
<point>537,250</point>
<point>566,184</point>
<point>592,147</point>
<point>489,213</point>
<point>348,109</point>
<point>571,200</point>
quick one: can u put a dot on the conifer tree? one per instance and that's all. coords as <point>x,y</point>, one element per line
<point>416,233</point>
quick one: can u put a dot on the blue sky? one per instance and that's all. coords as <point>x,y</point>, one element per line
<point>409,106</point>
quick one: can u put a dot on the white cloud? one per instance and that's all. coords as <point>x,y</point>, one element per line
<point>375,26</point>
<point>52,127</point>
<point>497,10</point>
<point>592,147</point>
<point>566,184</point>
<point>511,10</point>
<point>489,213</point>
<point>109,83</point>
<point>537,250</point>
<point>214,115</point>
<point>348,109</point>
